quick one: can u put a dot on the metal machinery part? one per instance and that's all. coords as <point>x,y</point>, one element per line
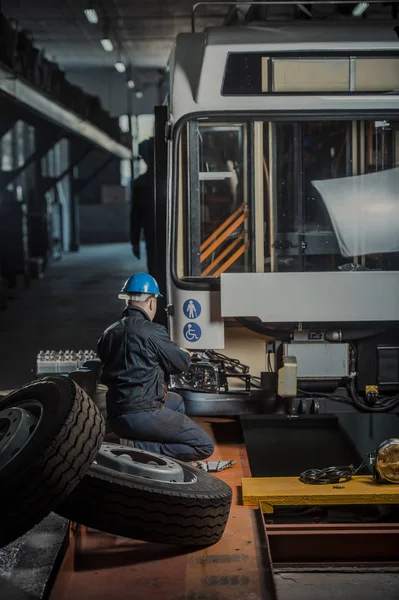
<point>203,376</point>
<point>140,463</point>
<point>212,372</point>
<point>386,462</point>
<point>17,426</point>
<point>319,360</point>
<point>314,371</point>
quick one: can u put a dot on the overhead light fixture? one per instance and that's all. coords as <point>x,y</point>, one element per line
<point>130,84</point>
<point>139,94</point>
<point>91,15</point>
<point>360,9</point>
<point>120,66</point>
<point>107,44</point>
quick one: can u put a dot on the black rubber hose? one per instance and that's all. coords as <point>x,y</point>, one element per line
<point>374,409</point>
<point>284,334</point>
<point>353,334</point>
<point>281,334</point>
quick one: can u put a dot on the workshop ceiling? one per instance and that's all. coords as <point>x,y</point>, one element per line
<point>145,28</point>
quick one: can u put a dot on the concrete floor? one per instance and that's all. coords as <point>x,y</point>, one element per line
<point>68,309</point>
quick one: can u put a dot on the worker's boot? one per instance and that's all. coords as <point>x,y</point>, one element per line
<point>127,442</point>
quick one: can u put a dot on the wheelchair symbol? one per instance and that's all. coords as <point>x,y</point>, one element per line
<point>192,332</point>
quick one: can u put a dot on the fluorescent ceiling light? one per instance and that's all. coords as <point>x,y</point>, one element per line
<point>130,84</point>
<point>139,94</point>
<point>91,15</point>
<point>360,8</point>
<point>120,67</point>
<point>107,45</point>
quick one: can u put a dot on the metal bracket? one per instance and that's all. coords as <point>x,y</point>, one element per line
<point>168,132</point>
<point>170,310</point>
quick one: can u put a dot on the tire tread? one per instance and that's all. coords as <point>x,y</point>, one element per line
<point>56,471</point>
<point>135,510</point>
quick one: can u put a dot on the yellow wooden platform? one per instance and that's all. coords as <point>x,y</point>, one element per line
<point>289,491</point>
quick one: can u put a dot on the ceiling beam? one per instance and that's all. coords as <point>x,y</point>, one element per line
<point>22,93</point>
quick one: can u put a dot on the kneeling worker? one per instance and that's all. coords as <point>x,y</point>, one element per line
<point>137,354</point>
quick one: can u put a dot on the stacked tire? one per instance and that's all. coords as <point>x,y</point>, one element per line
<point>51,434</point>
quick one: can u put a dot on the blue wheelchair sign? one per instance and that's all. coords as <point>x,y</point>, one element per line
<point>192,332</point>
<point>192,309</point>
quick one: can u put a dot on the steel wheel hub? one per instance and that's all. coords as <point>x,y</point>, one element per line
<point>140,463</point>
<point>17,425</point>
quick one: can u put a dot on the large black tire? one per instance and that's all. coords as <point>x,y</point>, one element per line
<point>54,459</point>
<point>192,514</point>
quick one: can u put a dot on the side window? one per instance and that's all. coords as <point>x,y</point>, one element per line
<point>218,211</point>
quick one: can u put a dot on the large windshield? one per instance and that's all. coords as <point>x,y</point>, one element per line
<point>262,196</point>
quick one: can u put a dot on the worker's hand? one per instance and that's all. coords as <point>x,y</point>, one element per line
<point>136,251</point>
<point>185,350</point>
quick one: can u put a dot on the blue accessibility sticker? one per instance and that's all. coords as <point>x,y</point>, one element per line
<point>192,309</point>
<point>192,332</point>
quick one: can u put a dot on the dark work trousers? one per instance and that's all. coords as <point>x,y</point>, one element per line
<point>166,430</point>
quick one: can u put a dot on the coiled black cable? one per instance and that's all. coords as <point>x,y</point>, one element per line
<point>331,474</point>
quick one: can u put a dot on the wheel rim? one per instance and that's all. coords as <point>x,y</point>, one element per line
<point>140,463</point>
<point>17,426</point>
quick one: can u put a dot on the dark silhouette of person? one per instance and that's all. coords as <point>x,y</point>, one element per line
<point>142,216</point>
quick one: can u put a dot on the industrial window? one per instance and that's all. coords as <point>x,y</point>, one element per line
<point>288,196</point>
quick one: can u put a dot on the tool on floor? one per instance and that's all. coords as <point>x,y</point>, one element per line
<point>214,466</point>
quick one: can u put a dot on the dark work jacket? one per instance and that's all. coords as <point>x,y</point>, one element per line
<point>137,357</point>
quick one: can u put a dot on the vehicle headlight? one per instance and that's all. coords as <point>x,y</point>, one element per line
<point>386,461</point>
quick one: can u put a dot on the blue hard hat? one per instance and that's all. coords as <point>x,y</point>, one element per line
<point>141,283</point>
